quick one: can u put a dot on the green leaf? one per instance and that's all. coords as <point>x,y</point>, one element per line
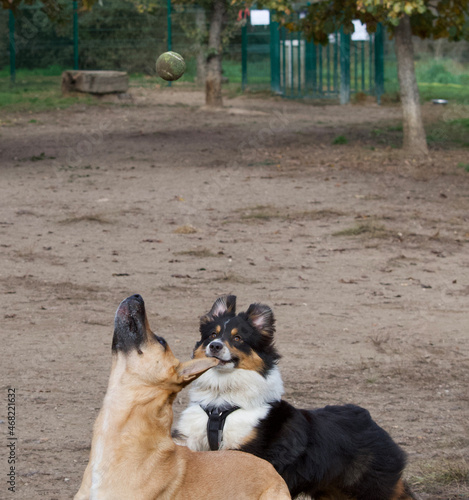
<point>349,28</point>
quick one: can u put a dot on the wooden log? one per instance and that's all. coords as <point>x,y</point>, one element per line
<point>95,82</point>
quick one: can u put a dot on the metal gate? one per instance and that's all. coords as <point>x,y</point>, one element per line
<point>302,69</point>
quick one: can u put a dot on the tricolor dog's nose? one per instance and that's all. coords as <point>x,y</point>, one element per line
<point>215,347</point>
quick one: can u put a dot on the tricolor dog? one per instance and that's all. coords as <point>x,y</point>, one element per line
<point>132,454</point>
<point>336,452</point>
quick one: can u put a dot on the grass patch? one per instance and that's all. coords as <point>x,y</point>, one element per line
<point>235,278</point>
<point>259,75</point>
<point>85,218</point>
<point>36,90</point>
<point>444,78</point>
<point>452,92</point>
<point>464,166</point>
<point>461,122</point>
<point>39,157</point>
<point>199,253</point>
<point>368,229</point>
<point>340,139</point>
<point>262,163</point>
<point>447,475</point>
<point>396,128</point>
<point>66,168</point>
<point>451,133</point>
<point>53,70</point>
<point>262,212</point>
<point>270,212</point>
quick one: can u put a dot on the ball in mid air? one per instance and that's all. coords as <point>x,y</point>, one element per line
<point>170,66</point>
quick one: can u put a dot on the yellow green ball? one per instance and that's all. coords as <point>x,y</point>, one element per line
<point>170,66</point>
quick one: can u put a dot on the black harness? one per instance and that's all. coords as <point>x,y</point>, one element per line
<point>216,422</point>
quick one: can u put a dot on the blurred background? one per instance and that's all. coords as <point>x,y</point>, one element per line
<point>257,57</point>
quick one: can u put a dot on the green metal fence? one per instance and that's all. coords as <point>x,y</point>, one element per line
<point>302,69</point>
<point>296,68</point>
<point>256,57</point>
<point>114,35</point>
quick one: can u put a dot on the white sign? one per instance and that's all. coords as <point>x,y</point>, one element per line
<point>260,17</point>
<point>360,34</point>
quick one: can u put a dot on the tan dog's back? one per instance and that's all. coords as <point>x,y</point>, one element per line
<point>240,476</point>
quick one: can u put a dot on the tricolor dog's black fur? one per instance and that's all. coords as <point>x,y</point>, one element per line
<point>336,452</point>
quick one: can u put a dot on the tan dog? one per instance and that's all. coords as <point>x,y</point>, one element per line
<point>132,454</point>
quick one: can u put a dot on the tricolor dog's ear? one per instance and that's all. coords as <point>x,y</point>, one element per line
<point>262,318</point>
<point>193,368</point>
<point>226,304</point>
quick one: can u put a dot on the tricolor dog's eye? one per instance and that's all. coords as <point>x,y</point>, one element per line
<point>237,338</point>
<point>213,336</point>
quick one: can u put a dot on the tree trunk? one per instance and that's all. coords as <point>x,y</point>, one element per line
<point>213,95</point>
<point>415,140</point>
<point>439,48</point>
<point>201,25</point>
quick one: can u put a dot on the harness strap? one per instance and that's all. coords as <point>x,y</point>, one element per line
<point>215,424</point>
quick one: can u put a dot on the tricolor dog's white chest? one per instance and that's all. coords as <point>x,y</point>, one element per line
<point>238,426</point>
<point>247,389</point>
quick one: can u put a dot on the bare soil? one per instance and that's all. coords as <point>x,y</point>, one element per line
<point>362,254</point>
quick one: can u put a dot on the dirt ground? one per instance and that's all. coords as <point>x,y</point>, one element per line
<point>362,254</point>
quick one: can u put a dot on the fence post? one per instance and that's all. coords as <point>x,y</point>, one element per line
<point>170,33</point>
<point>170,30</point>
<point>274,55</point>
<point>298,56</point>
<point>283,79</point>
<point>344,67</point>
<point>244,54</point>
<point>75,34</point>
<point>379,62</point>
<point>11,27</point>
<point>309,69</point>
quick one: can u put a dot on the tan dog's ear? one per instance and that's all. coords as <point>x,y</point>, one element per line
<point>193,368</point>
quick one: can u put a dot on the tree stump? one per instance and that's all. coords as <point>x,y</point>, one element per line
<point>95,82</point>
